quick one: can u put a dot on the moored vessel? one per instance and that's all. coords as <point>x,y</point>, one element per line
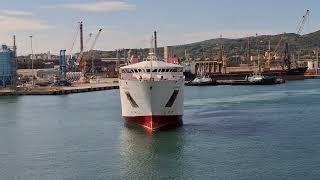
<point>202,81</point>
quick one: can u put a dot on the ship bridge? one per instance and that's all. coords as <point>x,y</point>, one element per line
<point>154,70</point>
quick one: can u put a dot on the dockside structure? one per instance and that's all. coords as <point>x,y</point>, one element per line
<point>7,67</point>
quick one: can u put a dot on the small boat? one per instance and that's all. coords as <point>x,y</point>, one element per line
<point>202,81</point>
<point>255,78</point>
<point>260,79</point>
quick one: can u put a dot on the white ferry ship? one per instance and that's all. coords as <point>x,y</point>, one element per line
<point>152,93</point>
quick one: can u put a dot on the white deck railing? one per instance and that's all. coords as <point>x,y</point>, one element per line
<point>154,76</point>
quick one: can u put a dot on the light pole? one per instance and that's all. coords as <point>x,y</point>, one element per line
<point>32,61</point>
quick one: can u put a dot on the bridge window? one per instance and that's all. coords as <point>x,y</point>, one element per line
<point>147,70</point>
<point>155,70</point>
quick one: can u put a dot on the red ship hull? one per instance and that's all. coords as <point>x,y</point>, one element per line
<point>155,123</point>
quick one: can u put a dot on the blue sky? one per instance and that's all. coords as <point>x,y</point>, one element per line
<point>129,23</point>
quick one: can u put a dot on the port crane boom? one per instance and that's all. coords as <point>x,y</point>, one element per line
<point>270,55</point>
<point>303,21</point>
<point>278,45</point>
<point>95,40</point>
<point>83,60</point>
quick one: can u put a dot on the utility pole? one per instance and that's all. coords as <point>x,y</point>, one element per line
<point>32,60</point>
<point>15,60</point>
<point>118,61</point>
<point>317,59</point>
<point>248,51</point>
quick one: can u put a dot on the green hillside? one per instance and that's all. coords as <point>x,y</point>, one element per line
<point>232,47</point>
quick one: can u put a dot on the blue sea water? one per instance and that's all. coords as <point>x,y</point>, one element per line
<point>229,132</point>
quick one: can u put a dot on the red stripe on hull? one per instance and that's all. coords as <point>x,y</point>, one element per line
<point>155,123</point>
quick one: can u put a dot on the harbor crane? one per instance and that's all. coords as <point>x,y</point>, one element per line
<point>82,59</point>
<point>300,27</point>
<point>270,55</point>
<point>302,22</point>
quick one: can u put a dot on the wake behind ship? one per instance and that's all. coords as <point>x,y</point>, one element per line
<point>152,94</point>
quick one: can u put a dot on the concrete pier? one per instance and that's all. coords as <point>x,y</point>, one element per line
<point>58,90</point>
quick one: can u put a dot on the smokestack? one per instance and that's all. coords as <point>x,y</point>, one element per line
<point>14,45</point>
<point>155,43</point>
<point>81,36</point>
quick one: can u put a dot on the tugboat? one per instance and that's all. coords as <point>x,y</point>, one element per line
<point>152,93</point>
<point>259,79</point>
<point>202,81</point>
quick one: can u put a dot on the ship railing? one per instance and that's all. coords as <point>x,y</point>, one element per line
<point>155,77</point>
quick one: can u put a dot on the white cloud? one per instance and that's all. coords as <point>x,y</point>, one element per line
<point>12,24</point>
<point>102,6</point>
<point>15,13</point>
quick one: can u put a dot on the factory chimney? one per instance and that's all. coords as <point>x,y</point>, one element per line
<point>81,36</point>
<point>155,43</point>
<point>14,45</point>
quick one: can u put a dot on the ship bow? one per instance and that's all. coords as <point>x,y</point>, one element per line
<point>155,123</point>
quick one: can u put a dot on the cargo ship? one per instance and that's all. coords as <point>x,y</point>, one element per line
<point>218,70</point>
<point>291,74</point>
<point>152,93</point>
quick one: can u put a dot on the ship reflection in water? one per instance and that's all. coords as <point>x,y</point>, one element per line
<point>152,156</point>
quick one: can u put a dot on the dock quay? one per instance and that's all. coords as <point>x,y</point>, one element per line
<point>244,82</point>
<point>58,90</point>
<point>312,76</point>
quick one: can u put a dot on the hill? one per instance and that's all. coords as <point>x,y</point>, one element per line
<point>232,47</point>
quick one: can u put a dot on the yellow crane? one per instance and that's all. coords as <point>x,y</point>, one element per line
<point>270,55</point>
<point>82,59</point>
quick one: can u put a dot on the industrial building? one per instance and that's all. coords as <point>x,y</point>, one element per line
<point>7,67</point>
